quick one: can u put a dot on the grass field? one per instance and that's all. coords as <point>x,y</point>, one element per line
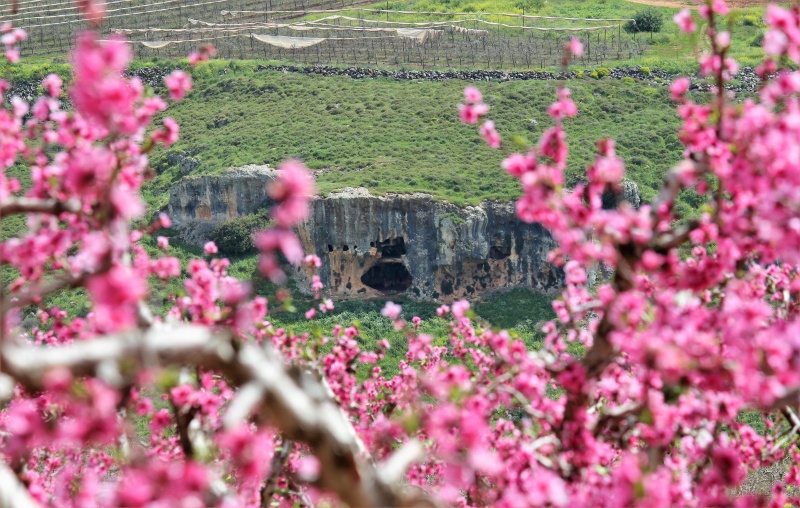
<point>400,136</point>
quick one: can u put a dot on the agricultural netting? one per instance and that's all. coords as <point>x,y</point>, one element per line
<point>327,33</point>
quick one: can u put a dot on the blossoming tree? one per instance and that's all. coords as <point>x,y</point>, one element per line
<point>212,405</point>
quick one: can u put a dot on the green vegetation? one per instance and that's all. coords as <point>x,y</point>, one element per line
<point>234,237</point>
<point>399,136</point>
<point>648,20</point>
<point>519,311</point>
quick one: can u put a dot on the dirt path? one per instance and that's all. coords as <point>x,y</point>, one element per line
<point>685,4</point>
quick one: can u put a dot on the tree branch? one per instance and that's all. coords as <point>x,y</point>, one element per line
<point>300,417</point>
<point>13,493</point>
<point>278,461</point>
<point>14,206</point>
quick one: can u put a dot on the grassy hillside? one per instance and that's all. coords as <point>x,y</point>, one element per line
<point>401,136</point>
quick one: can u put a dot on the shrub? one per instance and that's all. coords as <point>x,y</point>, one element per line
<point>757,41</point>
<point>603,72</point>
<point>752,20</point>
<point>234,237</point>
<point>649,20</point>
<point>628,80</point>
<point>645,70</point>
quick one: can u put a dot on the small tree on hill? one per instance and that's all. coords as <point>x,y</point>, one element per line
<point>649,20</point>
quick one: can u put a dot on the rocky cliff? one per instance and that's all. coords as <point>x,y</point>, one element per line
<point>374,246</point>
<point>198,204</point>
<point>410,243</point>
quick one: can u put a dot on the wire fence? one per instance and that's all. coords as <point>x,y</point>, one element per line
<point>328,32</point>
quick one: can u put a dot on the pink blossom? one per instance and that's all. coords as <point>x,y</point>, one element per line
<point>564,107</point>
<point>163,243</point>
<point>169,135</point>
<point>723,39</point>
<point>292,190</point>
<point>678,88</point>
<point>391,310</point>
<point>52,83</point>
<point>115,295</point>
<point>685,21</point>
<point>460,308</point>
<point>210,248</point>
<point>164,220</point>
<point>202,54</point>
<point>178,83</point>
<point>471,113</point>
<point>93,10</point>
<point>575,47</point>
<point>489,134</point>
<point>472,95</point>
<point>517,164</point>
<point>326,306</point>
<point>310,313</point>
<point>312,261</point>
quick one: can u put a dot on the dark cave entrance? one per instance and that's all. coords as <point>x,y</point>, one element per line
<point>499,252</point>
<point>392,247</point>
<point>390,277</point>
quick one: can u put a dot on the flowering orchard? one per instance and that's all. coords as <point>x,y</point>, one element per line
<point>212,405</point>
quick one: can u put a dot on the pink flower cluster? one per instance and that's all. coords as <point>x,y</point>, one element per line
<point>667,328</point>
<point>11,38</point>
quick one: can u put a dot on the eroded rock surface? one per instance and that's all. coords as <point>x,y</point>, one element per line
<point>413,244</point>
<point>198,204</point>
<point>373,246</point>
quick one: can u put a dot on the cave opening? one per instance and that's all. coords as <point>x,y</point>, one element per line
<point>389,277</point>
<point>499,252</point>
<point>392,247</point>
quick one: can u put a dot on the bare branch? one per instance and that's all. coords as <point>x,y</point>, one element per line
<point>278,461</point>
<point>792,418</point>
<point>13,493</point>
<point>34,294</point>
<point>394,468</point>
<point>14,206</point>
<point>315,420</point>
<point>247,399</point>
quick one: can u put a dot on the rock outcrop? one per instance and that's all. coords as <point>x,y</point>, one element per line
<point>427,249</point>
<point>373,246</point>
<point>198,204</point>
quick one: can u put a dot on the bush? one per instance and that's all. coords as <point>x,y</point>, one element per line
<point>602,72</point>
<point>757,41</point>
<point>628,80</point>
<point>234,237</point>
<point>645,70</point>
<point>595,75</point>
<point>752,20</point>
<point>649,20</point>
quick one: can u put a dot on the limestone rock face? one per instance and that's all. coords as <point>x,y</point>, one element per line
<point>373,246</point>
<point>197,205</point>
<point>411,244</point>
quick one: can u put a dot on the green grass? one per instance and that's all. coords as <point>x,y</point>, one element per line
<point>520,311</point>
<point>399,136</point>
